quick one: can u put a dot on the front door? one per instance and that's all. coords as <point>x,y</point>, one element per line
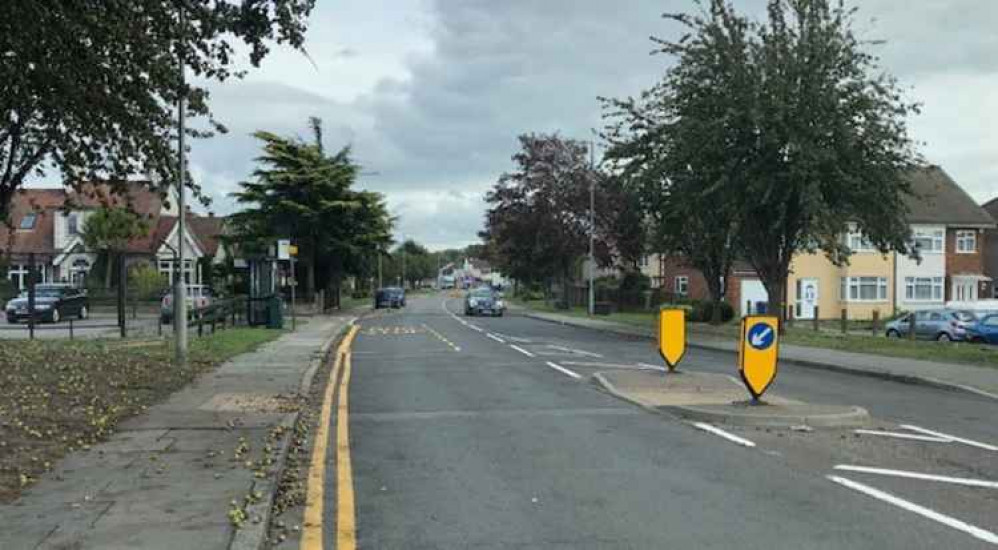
<point>807,298</point>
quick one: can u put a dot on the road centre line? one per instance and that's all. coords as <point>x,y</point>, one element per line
<point>900,435</point>
<point>441,337</point>
<point>521,350</point>
<point>719,432</point>
<point>475,328</point>
<point>314,496</point>
<point>918,475</point>
<point>496,338</point>
<point>563,370</point>
<point>974,531</point>
<point>953,438</point>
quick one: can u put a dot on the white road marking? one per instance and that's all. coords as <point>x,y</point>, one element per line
<point>576,351</point>
<point>729,436</point>
<point>475,328</point>
<point>976,532</point>
<point>918,475</point>
<point>900,435</point>
<point>563,370</point>
<point>593,364</point>
<point>653,367</point>
<point>521,350</point>
<point>954,438</point>
<point>496,338</point>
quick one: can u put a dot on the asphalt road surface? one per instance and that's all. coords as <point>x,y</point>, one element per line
<point>487,433</point>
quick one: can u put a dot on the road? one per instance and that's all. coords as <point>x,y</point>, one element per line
<point>486,433</point>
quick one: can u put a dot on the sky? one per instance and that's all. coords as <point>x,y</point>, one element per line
<point>432,94</point>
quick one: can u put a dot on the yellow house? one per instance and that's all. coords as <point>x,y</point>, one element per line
<point>816,286</point>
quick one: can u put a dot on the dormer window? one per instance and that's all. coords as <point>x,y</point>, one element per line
<point>28,221</point>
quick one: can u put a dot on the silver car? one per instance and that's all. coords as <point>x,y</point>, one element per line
<point>484,301</point>
<point>944,325</point>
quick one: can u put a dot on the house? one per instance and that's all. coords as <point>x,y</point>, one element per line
<point>48,224</point>
<point>743,289</point>
<point>991,247</point>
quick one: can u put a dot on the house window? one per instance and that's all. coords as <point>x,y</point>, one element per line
<point>857,242</point>
<point>28,221</point>
<point>923,289</point>
<point>864,289</point>
<point>72,225</point>
<point>644,261</point>
<point>966,242</point>
<point>682,285</point>
<point>928,242</point>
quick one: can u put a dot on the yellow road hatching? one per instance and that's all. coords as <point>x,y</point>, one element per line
<point>443,339</point>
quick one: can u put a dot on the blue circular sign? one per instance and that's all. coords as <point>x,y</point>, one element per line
<point>760,336</point>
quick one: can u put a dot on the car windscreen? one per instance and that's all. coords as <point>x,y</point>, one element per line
<point>964,316</point>
<point>46,292</point>
<point>481,294</point>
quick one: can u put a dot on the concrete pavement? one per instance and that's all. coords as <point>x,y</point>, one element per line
<point>168,479</point>
<point>967,377</point>
<point>485,433</point>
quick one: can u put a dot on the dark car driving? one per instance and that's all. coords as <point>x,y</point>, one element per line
<point>53,303</point>
<point>390,297</point>
<point>484,301</point>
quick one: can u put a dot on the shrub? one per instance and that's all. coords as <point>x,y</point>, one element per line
<point>145,282</point>
<point>703,310</point>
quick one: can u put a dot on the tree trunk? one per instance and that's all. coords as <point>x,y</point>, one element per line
<point>108,268</point>
<point>310,276</point>
<point>774,306</point>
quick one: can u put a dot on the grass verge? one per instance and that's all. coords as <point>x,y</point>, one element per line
<point>61,396</point>
<point>803,335</point>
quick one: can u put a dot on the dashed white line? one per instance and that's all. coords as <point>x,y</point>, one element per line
<point>974,531</point>
<point>496,338</point>
<point>729,436</point>
<point>563,370</point>
<point>954,438</point>
<point>523,351</point>
<point>900,435</point>
<point>918,475</point>
<point>475,328</point>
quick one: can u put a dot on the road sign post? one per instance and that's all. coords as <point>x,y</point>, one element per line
<point>672,336</point>
<point>758,353</point>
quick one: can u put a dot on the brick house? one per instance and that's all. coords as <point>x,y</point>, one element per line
<point>990,247</point>
<point>743,286</point>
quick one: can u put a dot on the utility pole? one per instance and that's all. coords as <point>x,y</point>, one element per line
<point>592,227</point>
<point>179,288</point>
<point>403,262</point>
<point>380,255</point>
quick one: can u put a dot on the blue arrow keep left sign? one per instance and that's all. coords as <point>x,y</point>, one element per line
<point>760,336</point>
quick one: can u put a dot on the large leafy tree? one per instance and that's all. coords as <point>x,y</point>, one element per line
<point>299,191</point>
<point>89,87</point>
<point>108,231</point>
<point>537,224</point>
<point>796,133</point>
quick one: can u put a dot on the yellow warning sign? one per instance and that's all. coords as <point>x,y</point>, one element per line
<point>672,336</point>
<point>758,352</point>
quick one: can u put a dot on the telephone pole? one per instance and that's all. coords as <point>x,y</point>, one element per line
<point>592,227</point>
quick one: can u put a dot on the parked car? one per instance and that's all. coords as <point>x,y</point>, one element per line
<point>934,324</point>
<point>53,303</point>
<point>985,329</point>
<point>390,297</point>
<point>482,301</point>
<point>198,297</point>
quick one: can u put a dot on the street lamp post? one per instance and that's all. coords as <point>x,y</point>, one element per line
<point>179,288</point>
<point>592,228</point>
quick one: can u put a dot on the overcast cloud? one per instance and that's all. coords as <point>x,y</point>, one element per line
<point>432,95</point>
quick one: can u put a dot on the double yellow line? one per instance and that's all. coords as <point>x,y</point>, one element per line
<point>346,521</point>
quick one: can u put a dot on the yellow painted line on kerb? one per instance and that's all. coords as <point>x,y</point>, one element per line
<point>452,345</point>
<point>315,493</point>
<point>346,522</point>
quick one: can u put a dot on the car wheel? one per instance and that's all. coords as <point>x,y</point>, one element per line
<point>499,314</point>
<point>943,337</point>
<point>893,334</point>
<point>84,313</point>
<point>55,317</point>
<point>12,320</point>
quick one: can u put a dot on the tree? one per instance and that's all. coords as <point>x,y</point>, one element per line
<point>800,132</point>
<point>300,192</point>
<point>109,230</point>
<point>537,225</point>
<point>90,88</point>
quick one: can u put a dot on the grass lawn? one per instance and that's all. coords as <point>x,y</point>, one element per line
<point>61,396</point>
<point>802,334</point>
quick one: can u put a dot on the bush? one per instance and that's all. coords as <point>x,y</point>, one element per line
<point>703,310</point>
<point>145,282</point>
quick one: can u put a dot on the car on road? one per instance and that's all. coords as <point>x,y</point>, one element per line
<point>53,303</point>
<point>944,325</point>
<point>484,301</point>
<point>390,297</point>
<point>198,297</point>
